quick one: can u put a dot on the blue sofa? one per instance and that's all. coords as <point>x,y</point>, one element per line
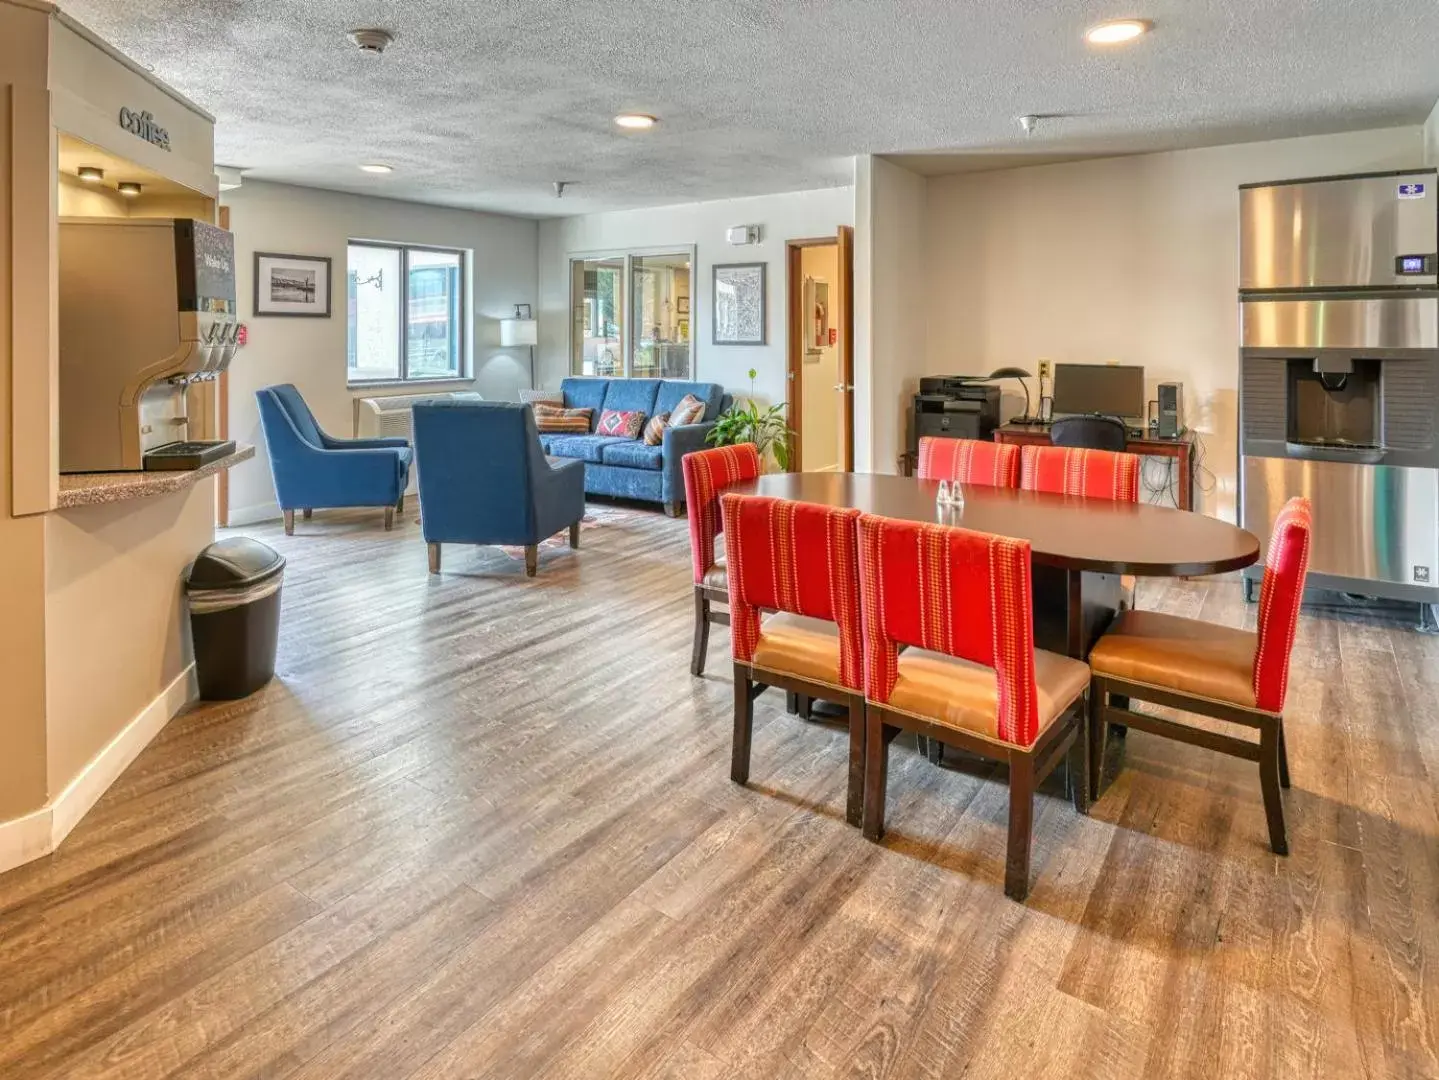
<point>485,480</point>
<point>629,468</point>
<point>315,470</point>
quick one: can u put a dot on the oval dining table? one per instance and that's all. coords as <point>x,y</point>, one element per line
<point>1080,547</point>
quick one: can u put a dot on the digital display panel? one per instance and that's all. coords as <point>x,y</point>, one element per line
<point>1412,264</point>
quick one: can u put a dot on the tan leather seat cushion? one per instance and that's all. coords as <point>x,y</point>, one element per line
<point>1184,655</point>
<point>803,647</point>
<point>965,696</point>
<point>717,576</point>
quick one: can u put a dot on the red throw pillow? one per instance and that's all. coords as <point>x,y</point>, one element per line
<point>625,425</point>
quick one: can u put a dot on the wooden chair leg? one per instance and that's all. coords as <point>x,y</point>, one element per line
<point>791,702</point>
<point>1021,826</point>
<point>1094,730</point>
<point>934,751</point>
<point>854,792</point>
<point>289,522</point>
<point>434,550</point>
<point>307,513</point>
<point>1283,757</point>
<point>876,769</point>
<point>1269,784</point>
<point>532,559</point>
<point>743,725</point>
<point>400,504</point>
<point>575,535</point>
<point>702,635</point>
<point>389,518</point>
<point>804,705</point>
<point>1078,770</point>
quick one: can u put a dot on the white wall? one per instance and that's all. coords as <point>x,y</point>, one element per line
<point>311,352</point>
<point>890,297</point>
<point>791,216</point>
<point>1132,259</point>
<point>1431,137</point>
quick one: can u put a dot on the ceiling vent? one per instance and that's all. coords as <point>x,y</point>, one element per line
<point>371,42</point>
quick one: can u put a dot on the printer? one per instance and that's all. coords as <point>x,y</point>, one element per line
<point>954,407</point>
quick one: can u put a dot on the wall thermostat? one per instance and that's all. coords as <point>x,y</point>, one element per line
<point>743,234</point>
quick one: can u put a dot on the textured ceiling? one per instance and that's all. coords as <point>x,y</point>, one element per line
<point>483,103</point>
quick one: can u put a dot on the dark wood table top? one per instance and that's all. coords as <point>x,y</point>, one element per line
<point>1064,531</point>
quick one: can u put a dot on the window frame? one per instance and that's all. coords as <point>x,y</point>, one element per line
<point>628,336</point>
<point>463,316</point>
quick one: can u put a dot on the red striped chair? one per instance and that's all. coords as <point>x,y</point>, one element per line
<point>707,473</point>
<point>1068,470</point>
<point>971,676</point>
<point>796,560</point>
<point>1215,671</point>
<point>970,461</point>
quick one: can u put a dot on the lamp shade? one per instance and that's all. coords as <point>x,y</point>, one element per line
<point>519,332</point>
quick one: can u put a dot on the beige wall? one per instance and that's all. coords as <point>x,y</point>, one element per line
<point>1431,138</point>
<point>22,540</point>
<point>115,621</point>
<point>821,404</point>
<point>311,352</point>
<point>890,304</point>
<point>1131,259</point>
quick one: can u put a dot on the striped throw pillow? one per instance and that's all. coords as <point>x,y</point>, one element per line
<point>655,429</point>
<point>690,410</point>
<point>555,419</point>
<point>624,425</point>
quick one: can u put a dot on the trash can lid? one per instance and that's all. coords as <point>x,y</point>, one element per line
<point>234,562</point>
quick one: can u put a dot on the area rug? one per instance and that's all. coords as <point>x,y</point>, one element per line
<point>596,518</point>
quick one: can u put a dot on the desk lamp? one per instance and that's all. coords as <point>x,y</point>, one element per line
<point>1020,374</point>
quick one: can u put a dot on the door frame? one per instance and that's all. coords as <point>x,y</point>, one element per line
<point>843,242</point>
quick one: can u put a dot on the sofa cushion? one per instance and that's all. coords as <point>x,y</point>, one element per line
<point>632,395</point>
<point>623,425</point>
<point>554,418</point>
<point>584,393</point>
<point>672,391</point>
<point>633,454</point>
<point>581,447</point>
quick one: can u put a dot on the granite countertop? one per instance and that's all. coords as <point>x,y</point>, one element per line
<point>88,489</point>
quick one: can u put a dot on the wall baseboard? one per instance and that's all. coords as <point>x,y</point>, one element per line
<point>40,832</point>
<point>254,515</point>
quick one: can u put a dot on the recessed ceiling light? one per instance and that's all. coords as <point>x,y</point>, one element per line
<point>1117,31</point>
<point>635,121</point>
<point>376,167</point>
<point>129,187</point>
<point>90,174</point>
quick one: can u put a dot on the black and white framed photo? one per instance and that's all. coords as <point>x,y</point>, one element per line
<point>739,304</point>
<point>292,285</point>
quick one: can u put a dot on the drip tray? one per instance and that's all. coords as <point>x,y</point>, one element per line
<point>180,456</point>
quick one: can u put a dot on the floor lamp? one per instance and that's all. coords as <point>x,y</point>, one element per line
<point>521,330</point>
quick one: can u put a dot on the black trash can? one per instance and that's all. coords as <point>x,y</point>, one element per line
<point>233,587</point>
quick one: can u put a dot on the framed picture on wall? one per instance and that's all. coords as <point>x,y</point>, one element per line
<point>682,306</point>
<point>739,304</point>
<point>292,285</point>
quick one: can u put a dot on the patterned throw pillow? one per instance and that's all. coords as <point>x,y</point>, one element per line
<point>655,429</point>
<point>690,410</point>
<point>552,419</point>
<point>625,425</point>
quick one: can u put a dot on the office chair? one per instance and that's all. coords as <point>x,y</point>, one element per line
<point>1089,433</point>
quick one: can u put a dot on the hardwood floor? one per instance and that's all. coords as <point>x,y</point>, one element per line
<point>482,826</point>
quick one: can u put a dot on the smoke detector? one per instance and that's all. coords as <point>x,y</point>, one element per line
<point>371,42</point>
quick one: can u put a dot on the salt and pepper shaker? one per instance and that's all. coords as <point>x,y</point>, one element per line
<point>950,496</point>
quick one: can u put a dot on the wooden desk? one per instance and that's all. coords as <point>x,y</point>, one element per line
<point>1181,449</point>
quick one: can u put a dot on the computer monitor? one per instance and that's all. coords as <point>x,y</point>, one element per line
<point>1108,389</point>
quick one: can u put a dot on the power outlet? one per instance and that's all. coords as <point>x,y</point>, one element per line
<point>1044,369</point>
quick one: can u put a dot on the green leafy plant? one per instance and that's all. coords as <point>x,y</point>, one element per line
<point>747,422</point>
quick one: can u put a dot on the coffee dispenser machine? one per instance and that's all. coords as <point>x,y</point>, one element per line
<point>1339,375</point>
<point>146,308</point>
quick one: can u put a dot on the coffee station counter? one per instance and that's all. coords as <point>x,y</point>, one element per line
<point>89,489</point>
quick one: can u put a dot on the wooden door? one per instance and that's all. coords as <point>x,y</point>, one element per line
<point>846,344</point>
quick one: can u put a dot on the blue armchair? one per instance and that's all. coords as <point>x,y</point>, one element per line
<point>313,469</point>
<point>485,480</point>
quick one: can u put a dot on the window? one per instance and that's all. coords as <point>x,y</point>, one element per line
<point>407,313</point>
<point>631,315</point>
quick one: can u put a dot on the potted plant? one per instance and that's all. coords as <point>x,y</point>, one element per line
<point>749,423</point>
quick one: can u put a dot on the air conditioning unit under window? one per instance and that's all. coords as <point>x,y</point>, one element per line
<point>390,416</point>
